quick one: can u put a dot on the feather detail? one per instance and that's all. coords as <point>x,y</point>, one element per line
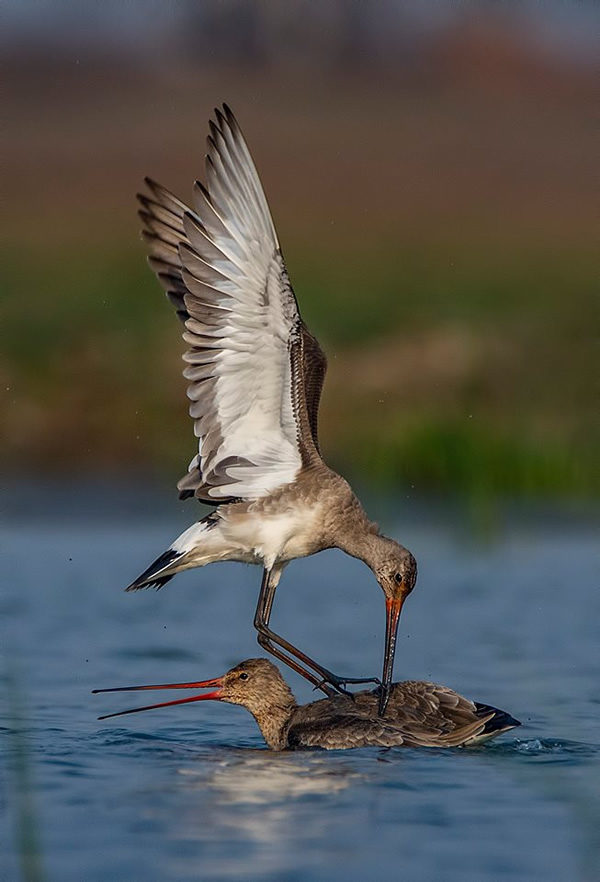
<point>255,372</point>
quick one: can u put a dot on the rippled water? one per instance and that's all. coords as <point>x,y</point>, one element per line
<point>191,793</point>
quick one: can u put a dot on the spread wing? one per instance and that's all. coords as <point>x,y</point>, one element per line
<point>255,371</point>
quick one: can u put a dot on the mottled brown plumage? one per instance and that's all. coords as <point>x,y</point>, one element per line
<point>419,714</point>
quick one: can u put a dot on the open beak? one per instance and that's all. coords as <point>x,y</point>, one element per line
<point>204,684</point>
<point>393,608</point>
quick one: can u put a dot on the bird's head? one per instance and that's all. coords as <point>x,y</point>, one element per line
<point>256,684</point>
<point>395,569</point>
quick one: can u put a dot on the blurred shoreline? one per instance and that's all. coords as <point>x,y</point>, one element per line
<point>433,195</point>
<point>147,500</point>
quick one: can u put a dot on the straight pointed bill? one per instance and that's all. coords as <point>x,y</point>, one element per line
<point>393,608</point>
<point>204,684</point>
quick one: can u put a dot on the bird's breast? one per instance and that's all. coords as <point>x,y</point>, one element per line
<point>279,535</point>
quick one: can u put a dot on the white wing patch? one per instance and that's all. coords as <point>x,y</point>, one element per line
<point>222,263</point>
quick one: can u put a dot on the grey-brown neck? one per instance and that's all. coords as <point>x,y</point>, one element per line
<point>370,547</point>
<point>344,522</point>
<point>353,532</point>
<point>266,695</point>
<point>273,718</point>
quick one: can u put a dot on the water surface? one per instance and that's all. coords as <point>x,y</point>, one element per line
<point>191,792</point>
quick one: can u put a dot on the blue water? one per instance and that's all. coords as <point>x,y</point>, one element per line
<point>191,793</point>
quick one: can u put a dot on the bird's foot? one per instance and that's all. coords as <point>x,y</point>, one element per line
<point>352,680</point>
<point>339,683</point>
<point>329,691</point>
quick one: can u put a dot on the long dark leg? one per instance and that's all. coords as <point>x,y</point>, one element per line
<point>274,644</point>
<point>268,640</point>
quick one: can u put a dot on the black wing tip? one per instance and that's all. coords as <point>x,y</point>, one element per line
<point>145,215</point>
<point>157,191</point>
<point>200,186</point>
<point>150,236</point>
<point>223,111</point>
<point>221,120</point>
<point>501,720</point>
<point>213,126</point>
<point>212,148</point>
<point>147,202</point>
<point>226,119</point>
<point>151,577</point>
<point>152,185</point>
<point>230,117</point>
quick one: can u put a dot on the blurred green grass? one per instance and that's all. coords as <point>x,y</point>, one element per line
<point>451,369</point>
<point>436,215</point>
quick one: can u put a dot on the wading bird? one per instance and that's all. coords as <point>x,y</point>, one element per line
<point>419,714</point>
<point>255,376</point>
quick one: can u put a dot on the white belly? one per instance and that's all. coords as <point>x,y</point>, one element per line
<point>250,537</point>
<point>274,537</point>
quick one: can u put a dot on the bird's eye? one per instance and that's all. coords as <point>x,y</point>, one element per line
<point>398,578</point>
<point>243,675</point>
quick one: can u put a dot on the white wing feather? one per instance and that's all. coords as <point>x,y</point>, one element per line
<point>222,266</point>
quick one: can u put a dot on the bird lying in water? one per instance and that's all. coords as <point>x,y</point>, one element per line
<point>418,714</point>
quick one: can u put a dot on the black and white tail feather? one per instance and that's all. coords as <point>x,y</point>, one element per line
<point>170,562</point>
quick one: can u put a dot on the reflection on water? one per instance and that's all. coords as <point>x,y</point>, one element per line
<point>255,800</point>
<point>265,778</point>
<point>191,792</point>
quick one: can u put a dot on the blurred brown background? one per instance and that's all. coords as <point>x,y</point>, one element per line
<point>429,169</point>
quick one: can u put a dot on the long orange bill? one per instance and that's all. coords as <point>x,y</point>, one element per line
<point>204,684</point>
<point>393,607</point>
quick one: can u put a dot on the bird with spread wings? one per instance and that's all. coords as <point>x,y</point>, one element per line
<point>255,375</point>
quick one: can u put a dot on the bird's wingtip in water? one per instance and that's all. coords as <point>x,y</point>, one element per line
<point>420,714</point>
